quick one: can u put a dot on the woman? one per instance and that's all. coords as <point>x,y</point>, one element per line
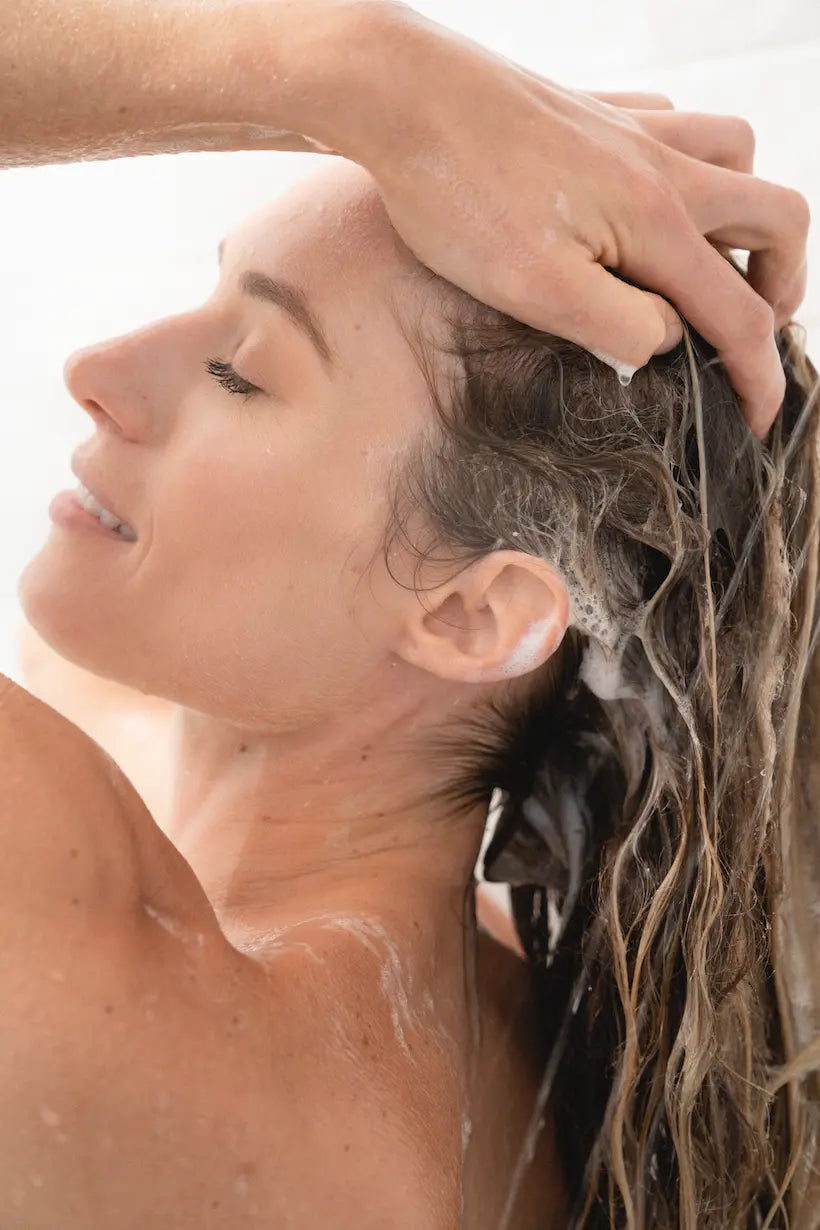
<point>151,1074</point>
<point>388,551</point>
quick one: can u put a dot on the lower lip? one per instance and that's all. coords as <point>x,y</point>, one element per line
<point>66,510</point>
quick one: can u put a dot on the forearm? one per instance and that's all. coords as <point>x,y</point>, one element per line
<point>94,79</point>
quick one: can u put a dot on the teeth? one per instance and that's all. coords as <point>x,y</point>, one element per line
<point>87,500</point>
<point>107,518</point>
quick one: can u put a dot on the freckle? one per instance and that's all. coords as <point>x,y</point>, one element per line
<point>235,1020</point>
<point>109,1008</point>
<point>243,747</point>
<point>347,1148</point>
<point>123,110</point>
<point>364,755</point>
<point>416,923</point>
<point>75,900</point>
<point>74,853</point>
<point>365,1040</point>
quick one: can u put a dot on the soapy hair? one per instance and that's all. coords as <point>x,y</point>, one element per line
<point>656,780</point>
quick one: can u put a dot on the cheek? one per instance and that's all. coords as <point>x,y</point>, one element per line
<point>247,549</point>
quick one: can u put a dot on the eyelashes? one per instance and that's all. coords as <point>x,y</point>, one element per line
<point>225,375</point>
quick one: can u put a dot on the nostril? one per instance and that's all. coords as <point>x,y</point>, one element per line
<point>95,410</point>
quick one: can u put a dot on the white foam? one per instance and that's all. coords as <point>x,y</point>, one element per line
<point>173,927</point>
<point>529,650</point>
<point>602,672</point>
<point>562,207</point>
<point>625,371</point>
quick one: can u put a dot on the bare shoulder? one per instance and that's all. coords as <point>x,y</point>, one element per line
<point>153,1074</point>
<point>380,1073</point>
<point>166,1079</point>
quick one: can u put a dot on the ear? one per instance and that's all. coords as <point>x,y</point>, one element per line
<point>501,617</point>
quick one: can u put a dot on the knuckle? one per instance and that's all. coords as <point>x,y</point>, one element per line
<point>800,211</point>
<point>657,102</point>
<point>743,136</point>
<point>522,285</point>
<point>758,317</point>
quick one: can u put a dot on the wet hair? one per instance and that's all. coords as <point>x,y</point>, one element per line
<point>655,779</point>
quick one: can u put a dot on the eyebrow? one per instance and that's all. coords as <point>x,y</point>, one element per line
<point>293,301</point>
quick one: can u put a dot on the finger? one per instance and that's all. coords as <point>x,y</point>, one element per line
<point>770,221</point>
<point>634,101</point>
<point>620,324</point>
<point>723,307</point>
<point>723,140</point>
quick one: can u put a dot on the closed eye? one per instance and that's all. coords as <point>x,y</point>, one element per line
<point>225,375</point>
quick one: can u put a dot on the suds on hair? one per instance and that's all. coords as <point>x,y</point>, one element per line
<point>683,1000</point>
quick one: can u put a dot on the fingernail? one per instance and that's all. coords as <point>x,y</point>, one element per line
<point>674,334</point>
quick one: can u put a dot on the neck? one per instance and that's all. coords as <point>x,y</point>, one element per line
<point>275,823</point>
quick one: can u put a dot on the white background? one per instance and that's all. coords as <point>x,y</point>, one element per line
<point>91,251</point>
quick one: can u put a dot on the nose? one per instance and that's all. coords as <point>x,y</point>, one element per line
<point>105,384</point>
<point>125,384</point>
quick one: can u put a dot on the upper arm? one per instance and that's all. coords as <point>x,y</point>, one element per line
<point>66,841</point>
<point>74,833</point>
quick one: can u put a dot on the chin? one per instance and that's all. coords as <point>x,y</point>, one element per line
<point>73,618</point>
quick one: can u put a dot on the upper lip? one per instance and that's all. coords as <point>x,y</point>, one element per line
<point>99,495</point>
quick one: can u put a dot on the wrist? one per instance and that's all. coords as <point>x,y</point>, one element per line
<point>328,71</point>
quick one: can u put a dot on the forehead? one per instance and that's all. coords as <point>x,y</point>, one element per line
<point>331,235</point>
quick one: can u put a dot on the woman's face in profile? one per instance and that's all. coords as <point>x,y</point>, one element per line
<point>248,592</point>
